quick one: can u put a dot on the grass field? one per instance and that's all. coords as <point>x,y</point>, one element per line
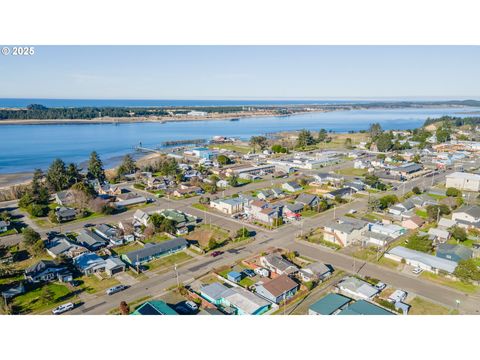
<point>459,285</point>
<point>352,172</point>
<point>36,301</point>
<point>243,149</point>
<point>92,284</point>
<point>168,261</point>
<point>421,306</point>
<point>157,238</point>
<point>204,233</point>
<point>123,249</point>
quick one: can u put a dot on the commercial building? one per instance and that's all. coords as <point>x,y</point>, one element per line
<point>421,260</point>
<point>463,181</point>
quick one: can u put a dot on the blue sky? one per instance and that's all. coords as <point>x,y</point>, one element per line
<point>196,72</point>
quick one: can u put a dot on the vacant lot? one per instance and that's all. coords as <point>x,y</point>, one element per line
<point>168,261</point>
<point>421,306</point>
<point>127,248</point>
<point>204,233</point>
<point>92,284</point>
<point>352,172</point>
<point>158,238</point>
<point>41,298</point>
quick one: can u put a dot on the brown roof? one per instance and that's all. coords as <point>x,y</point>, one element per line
<point>279,285</point>
<point>417,220</point>
<point>258,203</point>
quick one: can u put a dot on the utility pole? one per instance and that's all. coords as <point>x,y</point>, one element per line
<point>176,274</point>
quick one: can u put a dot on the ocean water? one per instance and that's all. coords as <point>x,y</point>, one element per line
<point>26,147</point>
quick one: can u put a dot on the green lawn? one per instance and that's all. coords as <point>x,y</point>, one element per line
<point>123,249</point>
<point>467,243</point>
<point>34,301</point>
<point>352,172</point>
<point>168,261</point>
<point>459,285</point>
<point>201,207</point>
<point>309,213</point>
<point>246,282</point>
<point>421,306</point>
<point>238,148</point>
<point>8,232</point>
<point>91,284</point>
<point>157,238</point>
<point>422,213</point>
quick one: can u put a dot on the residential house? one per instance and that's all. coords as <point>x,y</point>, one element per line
<point>445,223</point>
<point>377,239</point>
<point>113,265</point>
<point>109,233</point>
<point>343,193</point>
<point>180,218</point>
<point>89,263</point>
<point>154,307</point>
<point>291,186</point>
<point>355,185</point>
<point>391,230</point>
<point>344,231</point>
<point>467,216</point>
<point>330,304</point>
<point>277,193</point>
<point>242,301</point>
<point>454,252</point>
<point>65,214</point>
<point>438,235</point>
<point>399,209</point>
<point>4,225</point>
<point>463,181</point>
<point>65,198</point>
<point>264,212</point>
<point>92,241</point>
<point>60,245</point>
<point>187,191</point>
<point>421,260</point>
<point>234,276</point>
<point>413,222</point>
<point>406,170</point>
<point>153,251</point>
<point>265,195</point>
<point>279,265</point>
<point>222,184</point>
<point>422,201</point>
<point>326,178</point>
<point>317,271</point>
<point>46,270</point>
<point>141,217</point>
<point>129,199</point>
<point>308,200</point>
<point>293,211</point>
<point>278,289</point>
<point>357,288</point>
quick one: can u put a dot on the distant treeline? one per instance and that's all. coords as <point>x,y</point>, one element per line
<point>406,104</point>
<point>43,113</point>
<point>454,121</point>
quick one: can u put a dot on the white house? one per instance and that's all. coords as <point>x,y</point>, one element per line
<point>421,260</point>
<point>228,206</point>
<point>344,231</point>
<point>467,216</point>
<point>141,217</point>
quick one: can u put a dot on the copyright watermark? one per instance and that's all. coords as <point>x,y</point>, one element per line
<point>18,50</point>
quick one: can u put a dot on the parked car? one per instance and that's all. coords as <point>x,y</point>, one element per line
<point>116,289</point>
<point>249,272</point>
<point>216,253</point>
<point>191,305</point>
<point>417,270</point>
<point>88,225</point>
<point>352,211</point>
<point>381,286</point>
<point>62,308</point>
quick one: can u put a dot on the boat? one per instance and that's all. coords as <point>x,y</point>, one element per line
<point>235,119</point>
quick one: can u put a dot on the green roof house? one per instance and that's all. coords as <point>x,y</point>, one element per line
<point>154,307</point>
<point>328,305</point>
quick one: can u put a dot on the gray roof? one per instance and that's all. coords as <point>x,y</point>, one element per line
<point>215,290</point>
<point>377,236</point>
<point>306,199</point>
<point>280,263</point>
<point>59,245</point>
<point>4,223</point>
<point>89,238</point>
<point>113,262</point>
<point>294,207</point>
<point>88,260</point>
<point>248,302</point>
<point>318,268</point>
<point>66,212</point>
<point>39,267</point>
<point>354,222</point>
<point>154,249</point>
<point>427,259</point>
<point>357,287</point>
<point>472,210</point>
<point>345,228</point>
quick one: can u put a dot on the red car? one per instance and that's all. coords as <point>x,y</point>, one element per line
<point>216,253</point>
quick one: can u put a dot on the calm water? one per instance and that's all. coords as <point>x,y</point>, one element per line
<point>25,147</point>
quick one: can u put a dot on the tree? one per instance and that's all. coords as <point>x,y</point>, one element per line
<point>223,159</point>
<point>384,142</point>
<point>128,166</point>
<point>459,233</point>
<point>416,158</point>
<point>467,270</point>
<point>95,168</point>
<point>233,180</point>
<point>277,148</point>
<point>375,130</point>
<point>322,135</point>
<point>39,247</point>
<point>242,233</point>
<point>387,200</point>
<point>435,211</point>
<point>73,174</point>
<point>416,190</point>
<point>212,244</point>
<point>453,192</point>
<point>30,236</point>
<point>124,308</point>
<point>443,134</point>
<point>420,243</point>
<point>258,141</point>
<point>348,143</point>
<point>56,176</point>
<point>305,139</point>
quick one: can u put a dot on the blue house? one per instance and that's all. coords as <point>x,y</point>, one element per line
<point>202,153</point>
<point>234,276</point>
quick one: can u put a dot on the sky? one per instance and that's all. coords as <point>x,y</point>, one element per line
<point>242,72</point>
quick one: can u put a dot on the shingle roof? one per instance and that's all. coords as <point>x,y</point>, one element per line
<point>154,249</point>
<point>39,267</point>
<point>306,199</point>
<point>472,210</point>
<point>279,285</point>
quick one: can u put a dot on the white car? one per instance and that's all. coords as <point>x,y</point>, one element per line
<point>417,270</point>
<point>352,211</point>
<point>62,308</point>
<point>380,286</point>
<point>191,305</point>
<point>115,289</point>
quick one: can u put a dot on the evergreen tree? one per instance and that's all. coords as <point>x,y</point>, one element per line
<point>56,176</point>
<point>95,167</point>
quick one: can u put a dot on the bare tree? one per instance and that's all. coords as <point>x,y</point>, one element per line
<point>124,308</point>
